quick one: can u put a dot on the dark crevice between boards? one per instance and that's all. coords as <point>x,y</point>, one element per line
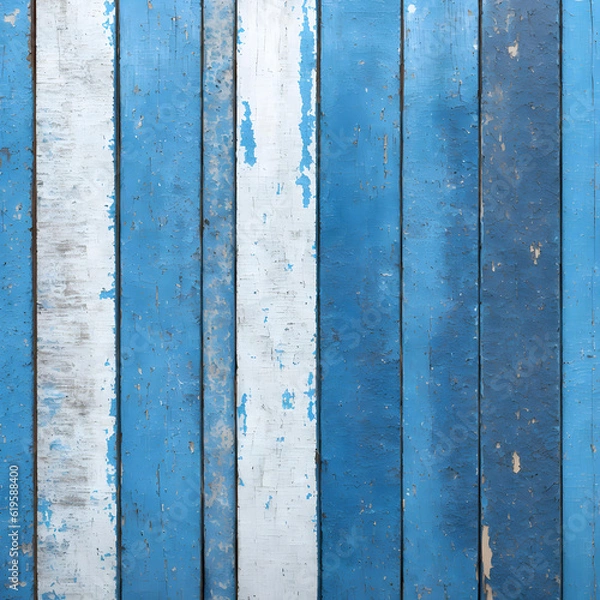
<point>479,570</point>
<point>201,321</point>
<point>560,291</point>
<point>234,283</point>
<point>117,229</point>
<point>318,386</point>
<point>400,303</point>
<point>33,66</point>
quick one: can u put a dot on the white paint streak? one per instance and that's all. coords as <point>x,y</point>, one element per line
<point>513,50</point>
<point>12,17</point>
<point>76,309</point>
<point>277,511</point>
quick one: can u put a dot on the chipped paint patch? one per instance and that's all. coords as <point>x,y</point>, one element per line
<point>12,17</point>
<point>242,414</point>
<point>486,552</point>
<point>287,400</point>
<point>248,141</point>
<point>516,462</point>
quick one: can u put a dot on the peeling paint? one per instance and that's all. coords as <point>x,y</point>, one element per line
<point>516,461</point>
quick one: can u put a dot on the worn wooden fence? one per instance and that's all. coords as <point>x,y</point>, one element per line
<point>298,299</point>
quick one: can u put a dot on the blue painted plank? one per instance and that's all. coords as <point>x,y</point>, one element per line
<point>218,294</point>
<point>16,300</point>
<point>359,286</point>
<point>440,256</point>
<point>581,290</point>
<point>520,297</point>
<point>160,74</point>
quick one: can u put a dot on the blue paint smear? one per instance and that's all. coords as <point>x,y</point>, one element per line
<point>45,512</point>
<point>288,400</point>
<point>307,122</point>
<point>242,414</point>
<point>268,503</point>
<point>304,181</point>
<point>53,596</point>
<point>310,393</point>
<point>240,31</point>
<point>107,294</point>
<point>307,66</point>
<point>247,136</point>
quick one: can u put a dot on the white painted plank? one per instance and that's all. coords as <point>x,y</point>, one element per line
<point>76,305</point>
<point>276,300</point>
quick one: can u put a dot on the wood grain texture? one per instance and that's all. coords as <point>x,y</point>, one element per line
<point>160,70</point>
<point>276,300</point>
<point>218,294</point>
<point>359,286</point>
<point>440,256</point>
<point>17,516</point>
<point>520,294</point>
<point>76,545</point>
<point>581,290</point>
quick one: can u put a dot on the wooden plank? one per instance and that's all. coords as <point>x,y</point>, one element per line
<point>218,294</point>
<point>276,300</point>
<point>160,77</point>
<point>76,542</point>
<point>440,256</point>
<point>520,319</point>
<point>581,287</point>
<point>359,288</point>
<point>16,302</point>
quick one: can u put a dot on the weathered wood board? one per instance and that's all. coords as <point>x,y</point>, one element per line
<point>520,300</point>
<point>160,335</point>
<point>76,321</point>
<point>581,154</point>
<point>17,512</point>
<point>276,300</point>
<point>440,254</point>
<point>218,295</point>
<point>359,299</point>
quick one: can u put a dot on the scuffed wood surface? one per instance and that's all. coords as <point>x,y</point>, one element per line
<point>76,545</point>
<point>160,102</point>
<point>440,198</point>
<point>16,303</point>
<point>581,293</point>
<point>520,300</point>
<point>276,300</point>
<point>359,306</point>
<point>218,294</point>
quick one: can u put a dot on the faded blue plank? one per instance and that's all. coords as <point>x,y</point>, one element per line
<point>160,71</point>
<point>581,291</point>
<point>359,285</point>
<point>520,293</point>
<point>218,293</point>
<point>16,302</point>
<point>440,299</point>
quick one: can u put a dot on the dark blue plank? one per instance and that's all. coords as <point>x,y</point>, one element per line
<point>520,296</point>
<point>16,302</point>
<point>440,256</point>
<point>359,285</point>
<point>160,70</point>
<point>218,293</point>
<point>581,291</point>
